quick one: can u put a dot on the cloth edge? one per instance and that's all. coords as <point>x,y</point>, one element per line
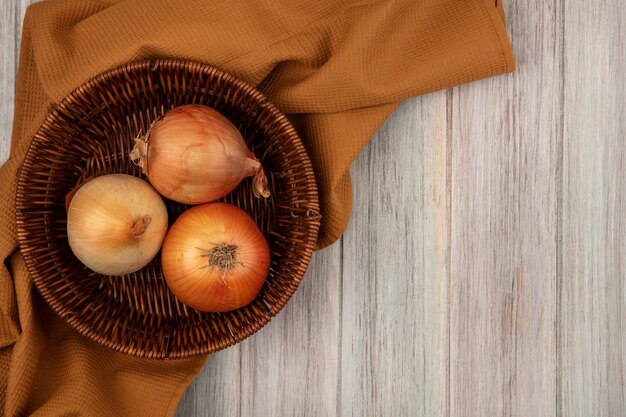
<point>497,16</point>
<point>181,387</point>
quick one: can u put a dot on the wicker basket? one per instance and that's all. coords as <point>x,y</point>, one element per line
<point>90,134</point>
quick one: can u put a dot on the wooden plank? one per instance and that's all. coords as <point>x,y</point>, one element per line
<point>11,18</point>
<point>394,351</point>
<point>592,343</point>
<point>290,367</point>
<point>216,390</point>
<point>8,66</point>
<point>505,141</point>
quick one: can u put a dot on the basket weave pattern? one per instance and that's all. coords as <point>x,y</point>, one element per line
<point>90,134</point>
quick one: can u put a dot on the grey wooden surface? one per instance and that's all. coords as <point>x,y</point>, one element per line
<point>483,272</point>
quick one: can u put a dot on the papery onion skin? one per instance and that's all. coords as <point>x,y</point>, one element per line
<point>116,224</point>
<point>190,262</point>
<point>195,155</point>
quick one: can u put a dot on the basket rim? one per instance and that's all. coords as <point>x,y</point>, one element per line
<point>183,65</point>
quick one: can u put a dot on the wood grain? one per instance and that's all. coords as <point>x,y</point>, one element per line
<point>394,356</point>
<point>11,17</point>
<point>592,345</point>
<point>8,69</point>
<point>483,272</point>
<point>216,391</point>
<point>505,142</point>
<point>290,367</point>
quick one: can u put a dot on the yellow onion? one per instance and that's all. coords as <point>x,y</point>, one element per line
<point>215,258</point>
<point>195,155</point>
<point>116,224</point>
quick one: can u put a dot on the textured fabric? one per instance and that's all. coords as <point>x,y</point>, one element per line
<point>337,68</point>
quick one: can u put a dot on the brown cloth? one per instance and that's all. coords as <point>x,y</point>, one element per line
<point>338,68</point>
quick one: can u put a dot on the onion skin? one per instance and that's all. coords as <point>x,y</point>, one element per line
<point>191,246</point>
<point>116,224</point>
<point>195,155</point>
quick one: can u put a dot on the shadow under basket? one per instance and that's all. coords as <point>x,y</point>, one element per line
<point>89,134</point>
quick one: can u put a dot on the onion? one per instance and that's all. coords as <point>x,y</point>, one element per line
<point>195,155</point>
<point>215,258</point>
<point>116,224</point>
